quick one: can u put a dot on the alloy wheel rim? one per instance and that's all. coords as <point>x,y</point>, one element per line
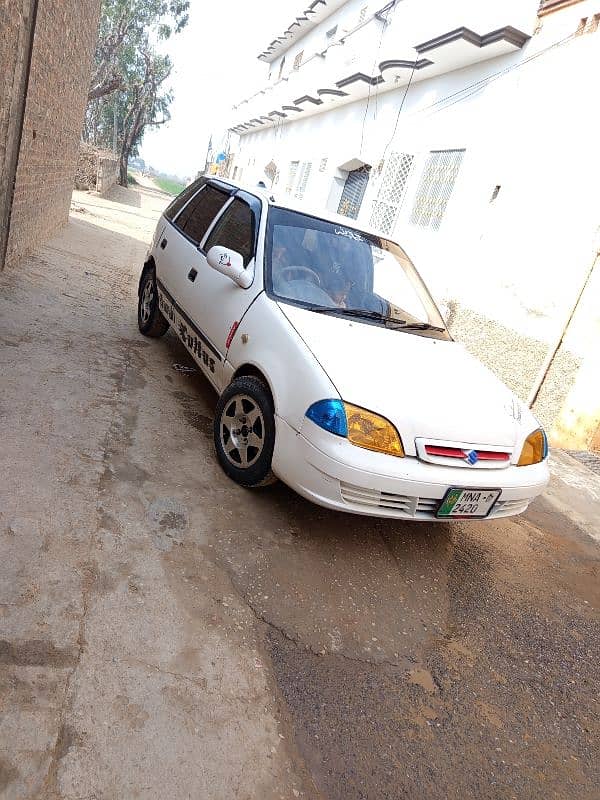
<point>242,431</point>
<point>147,301</point>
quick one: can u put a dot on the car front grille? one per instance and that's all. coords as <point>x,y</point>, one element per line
<point>506,507</point>
<point>411,506</point>
<point>417,507</point>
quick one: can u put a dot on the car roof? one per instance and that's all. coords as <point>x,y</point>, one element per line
<point>302,208</point>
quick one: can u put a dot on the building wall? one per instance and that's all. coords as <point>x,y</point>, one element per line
<point>63,45</point>
<point>520,229</point>
<point>16,25</point>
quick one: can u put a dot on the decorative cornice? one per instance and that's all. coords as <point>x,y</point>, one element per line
<point>402,63</point>
<point>359,77</point>
<point>308,99</point>
<point>549,6</point>
<point>334,92</point>
<point>305,16</point>
<point>508,34</point>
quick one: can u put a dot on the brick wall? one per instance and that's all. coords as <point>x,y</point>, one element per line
<point>16,20</point>
<point>63,45</point>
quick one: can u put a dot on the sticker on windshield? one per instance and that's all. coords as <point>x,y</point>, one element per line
<point>349,234</point>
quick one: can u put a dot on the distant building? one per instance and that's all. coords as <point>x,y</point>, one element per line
<point>468,132</point>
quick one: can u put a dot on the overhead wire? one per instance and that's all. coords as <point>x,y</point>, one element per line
<point>364,121</point>
<point>404,96</point>
<point>460,95</point>
<point>483,82</point>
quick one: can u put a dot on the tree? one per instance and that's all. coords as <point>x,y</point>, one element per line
<point>127,92</point>
<point>146,106</point>
<point>124,24</point>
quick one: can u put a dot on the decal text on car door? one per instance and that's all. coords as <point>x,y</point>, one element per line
<point>187,332</point>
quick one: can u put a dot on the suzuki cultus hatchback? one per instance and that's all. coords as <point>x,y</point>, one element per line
<point>334,367</point>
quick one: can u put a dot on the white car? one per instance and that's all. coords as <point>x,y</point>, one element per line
<point>334,367</point>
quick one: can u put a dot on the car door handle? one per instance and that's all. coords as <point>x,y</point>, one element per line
<point>163,244</point>
<point>192,274</point>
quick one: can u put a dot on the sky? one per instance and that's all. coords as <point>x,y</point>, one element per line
<point>215,65</point>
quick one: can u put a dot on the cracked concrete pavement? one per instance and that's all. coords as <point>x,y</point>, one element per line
<point>165,633</point>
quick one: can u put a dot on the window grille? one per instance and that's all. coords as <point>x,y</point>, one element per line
<point>292,176</point>
<point>362,15</point>
<point>303,176</point>
<point>323,165</point>
<point>298,60</point>
<point>435,188</point>
<point>353,192</point>
<point>391,191</point>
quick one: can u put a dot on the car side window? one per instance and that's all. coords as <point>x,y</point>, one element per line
<point>175,207</point>
<point>196,217</point>
<point>236,230</point>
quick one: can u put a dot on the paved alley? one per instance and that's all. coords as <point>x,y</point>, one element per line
<point>165,633</point>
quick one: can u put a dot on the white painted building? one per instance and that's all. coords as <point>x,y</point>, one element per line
<point>466,130</point>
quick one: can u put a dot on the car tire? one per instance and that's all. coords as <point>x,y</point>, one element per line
<point>150,319</point>
<point>244,432</point>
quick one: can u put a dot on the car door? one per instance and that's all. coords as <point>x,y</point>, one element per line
<point>216,303</point>
<point>177,252</point>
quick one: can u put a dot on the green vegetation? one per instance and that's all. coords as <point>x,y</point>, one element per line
<point>168,185</point>
<point>130,179</point>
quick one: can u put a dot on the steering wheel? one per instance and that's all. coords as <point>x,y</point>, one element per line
<point>316,279</point>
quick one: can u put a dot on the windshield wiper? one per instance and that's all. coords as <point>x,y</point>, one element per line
<point>365,313</point>
<point>355,312</point>
<point>422,326</point>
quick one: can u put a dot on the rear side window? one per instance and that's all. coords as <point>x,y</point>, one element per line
<point>236,230</point>
<point>196,217</point>
<point>175,207</point>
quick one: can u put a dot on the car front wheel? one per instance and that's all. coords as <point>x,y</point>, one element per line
<point>244,432</point>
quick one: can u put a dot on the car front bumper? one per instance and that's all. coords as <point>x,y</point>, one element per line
<point>334,473</point>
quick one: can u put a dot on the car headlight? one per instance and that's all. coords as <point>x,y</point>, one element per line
<point>361,427</point>
<point>534,450</point>
<point>329,415</point>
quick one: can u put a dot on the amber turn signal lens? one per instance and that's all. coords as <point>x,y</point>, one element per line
<point>369,430</point>
<point>534,450</point>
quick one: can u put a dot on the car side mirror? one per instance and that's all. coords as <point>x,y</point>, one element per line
<point>231,264</point>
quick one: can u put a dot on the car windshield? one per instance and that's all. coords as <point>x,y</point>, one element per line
<point>329,268</point>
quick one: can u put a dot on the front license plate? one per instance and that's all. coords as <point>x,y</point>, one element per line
<point>468,502</point>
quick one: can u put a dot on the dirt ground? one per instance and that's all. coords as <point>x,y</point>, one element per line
<point>167,634</point>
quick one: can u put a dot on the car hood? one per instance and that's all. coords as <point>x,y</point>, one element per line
<point>427,387</point>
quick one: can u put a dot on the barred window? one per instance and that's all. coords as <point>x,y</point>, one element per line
<point>435,188</point>
<point>292,176</point>
<point>298,59</point>
<point>391,192</point>
<point>303,176</point>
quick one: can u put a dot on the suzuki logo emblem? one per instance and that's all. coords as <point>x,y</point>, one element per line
<point>471,457</point>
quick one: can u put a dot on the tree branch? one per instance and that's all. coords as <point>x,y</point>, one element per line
<point>107,87</point>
